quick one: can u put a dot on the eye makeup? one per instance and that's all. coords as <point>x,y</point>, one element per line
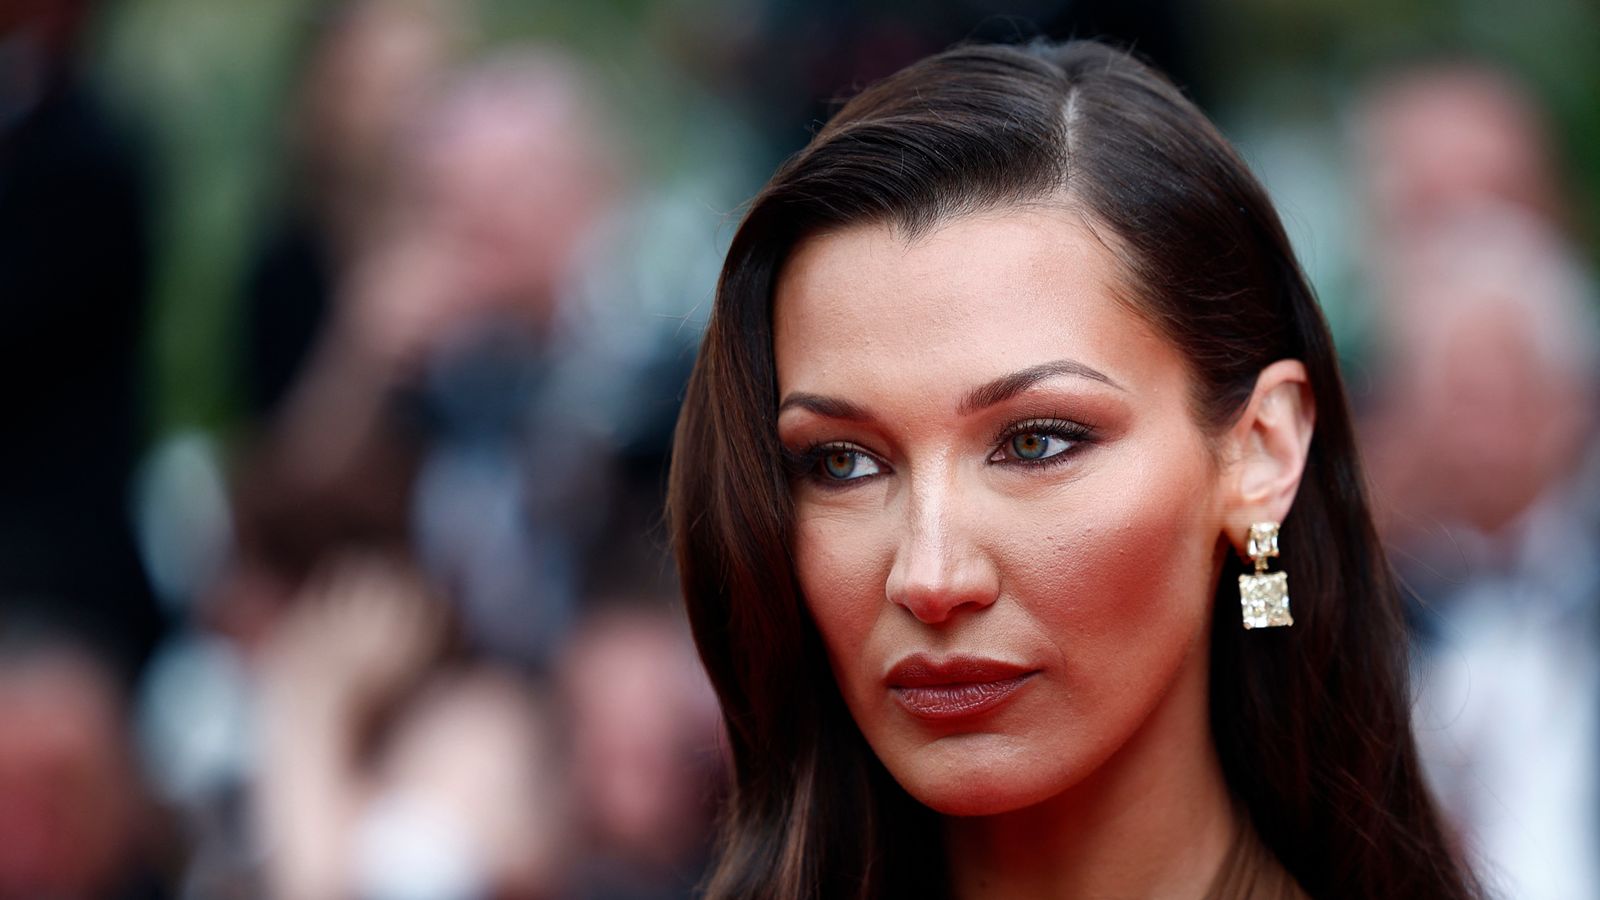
<point>1025,443</point>
<point>833,464</point>
<point>1039,442</point>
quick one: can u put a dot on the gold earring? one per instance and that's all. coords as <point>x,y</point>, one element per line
<point>1264,596</point>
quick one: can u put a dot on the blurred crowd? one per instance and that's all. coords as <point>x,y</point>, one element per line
<point>1482,442</point>
<point>376,648</point>
<point>405,628</point>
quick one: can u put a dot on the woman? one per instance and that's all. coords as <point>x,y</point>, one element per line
<point>1004,370</point>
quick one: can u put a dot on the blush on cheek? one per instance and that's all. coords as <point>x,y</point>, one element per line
<point>1123,584</point>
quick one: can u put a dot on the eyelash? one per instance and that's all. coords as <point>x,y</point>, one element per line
<point>807,463</point>
<point>1074,433</point>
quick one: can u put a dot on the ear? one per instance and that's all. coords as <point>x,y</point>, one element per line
<point>1267,450</point>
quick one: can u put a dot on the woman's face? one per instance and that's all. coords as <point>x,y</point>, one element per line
<point>1007,523</point>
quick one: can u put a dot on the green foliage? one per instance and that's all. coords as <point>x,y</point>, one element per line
<point>205,79</point>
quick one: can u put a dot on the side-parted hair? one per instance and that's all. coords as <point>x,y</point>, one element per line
<point>1311,722</point>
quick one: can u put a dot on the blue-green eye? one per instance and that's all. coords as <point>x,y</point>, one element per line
<point>844,464</point>
<point>1039,441</point>
<point>1033,445</point>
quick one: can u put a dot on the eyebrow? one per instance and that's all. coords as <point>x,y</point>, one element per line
<point>1007,386</point>
<point>981,397</point>
<point>827,407</point>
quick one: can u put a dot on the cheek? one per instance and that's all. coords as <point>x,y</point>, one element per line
<point>842,568</point>
<point>1123,583</point>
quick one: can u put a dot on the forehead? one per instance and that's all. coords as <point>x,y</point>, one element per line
<point>977,297</point>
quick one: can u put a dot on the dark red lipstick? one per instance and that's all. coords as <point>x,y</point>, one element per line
<point>954,688</point>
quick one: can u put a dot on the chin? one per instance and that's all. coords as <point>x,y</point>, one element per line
<point>964,781</point>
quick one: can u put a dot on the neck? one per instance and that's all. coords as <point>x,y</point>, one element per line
<point>1155,820</point>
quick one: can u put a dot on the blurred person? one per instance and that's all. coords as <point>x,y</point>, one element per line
<point>1487,399</point>
<point>369,65</point>
<point>74,261</point>
<point>75,822</point>
<point>459,368</point>
<point>1486,467</point>
<point>389,774</point>
<point>516,175</point>
<point>645,756</point>
<point>1436,138</point>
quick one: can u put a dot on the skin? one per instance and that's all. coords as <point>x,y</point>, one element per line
<point>1095,568</point>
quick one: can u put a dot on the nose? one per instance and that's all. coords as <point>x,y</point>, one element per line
<point>939,567</point>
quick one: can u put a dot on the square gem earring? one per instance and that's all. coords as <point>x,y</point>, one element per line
<point>1264,596</point>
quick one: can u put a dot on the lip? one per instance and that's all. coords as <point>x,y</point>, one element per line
<point>955,688</point>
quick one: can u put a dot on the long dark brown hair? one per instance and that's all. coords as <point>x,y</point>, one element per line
<point>1310,722</point>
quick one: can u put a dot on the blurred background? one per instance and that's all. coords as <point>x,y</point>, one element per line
<point>342,343</point>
